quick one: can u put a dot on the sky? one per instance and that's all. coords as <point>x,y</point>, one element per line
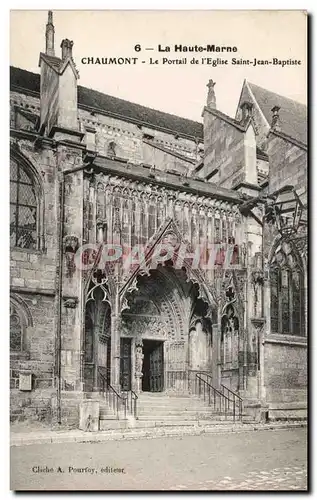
<point>176,89</point>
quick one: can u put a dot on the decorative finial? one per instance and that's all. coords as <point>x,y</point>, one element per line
<point>276,123</point>
<point>211,97</point>
<point>49,35</point>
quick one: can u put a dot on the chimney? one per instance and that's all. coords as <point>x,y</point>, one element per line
<point>211,97</point>
<point>276,122</point>
<point>246,110</point>
<point>67,49</point>
<point>49,35</point>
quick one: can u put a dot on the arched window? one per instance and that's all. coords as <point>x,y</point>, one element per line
<point>20,319</point>
<point>287,293</point>
<point>24,208</point>
<point>16,329</point>
<point>229,338</point>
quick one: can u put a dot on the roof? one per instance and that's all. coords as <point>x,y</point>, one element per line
<point>232,121</point>
<point>53,61</point>
<point>58,64</point>
<point>114,105</point>
<point>293,114</point>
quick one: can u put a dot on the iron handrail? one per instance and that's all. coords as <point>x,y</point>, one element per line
<point>113,397</point>
<point>212,387</point>
<point>232,392</point>
<point>103,379</point>
<point>133,402</point>
<point>205,374</point>
<point>223,399</point>
<point>119,399</point>
<point>235,396</point>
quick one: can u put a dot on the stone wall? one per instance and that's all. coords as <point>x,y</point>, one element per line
<point>35,406</point>
<point>115,137</point>
<point>224,150</point>
<point>285,371</point>
<point>32,280</point>
<point>288,163</point>
<point>37,358</point>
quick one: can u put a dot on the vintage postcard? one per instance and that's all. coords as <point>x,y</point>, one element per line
<point>158,249</point>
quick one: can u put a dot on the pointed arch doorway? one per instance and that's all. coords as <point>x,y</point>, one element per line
<point>162,316</point>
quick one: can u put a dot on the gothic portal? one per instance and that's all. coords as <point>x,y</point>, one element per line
<point>165,334</point>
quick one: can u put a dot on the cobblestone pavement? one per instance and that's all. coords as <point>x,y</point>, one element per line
<point>283,478</point>
<point>261,460</point>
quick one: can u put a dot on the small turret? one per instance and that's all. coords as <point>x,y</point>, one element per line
<point>49,35</point>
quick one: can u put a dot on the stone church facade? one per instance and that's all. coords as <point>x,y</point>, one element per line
<point>89,171</point>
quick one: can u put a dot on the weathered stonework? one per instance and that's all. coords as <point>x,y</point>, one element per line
<point>104,177</point>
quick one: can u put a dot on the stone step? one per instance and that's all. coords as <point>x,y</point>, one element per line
<point>189,405</point>
<point>285,414</point>
<point>93,395</point>
<point>158,396</point>
<point>175,411</point>
<point>294,405</point>
<point>107,416</point>
<point>172,418</point>
<point>166,404</point>
<point>162,407</point>
<point>184,416</point>
<point>151,424</point>
<point>167,409</point>
<point>177,404</point>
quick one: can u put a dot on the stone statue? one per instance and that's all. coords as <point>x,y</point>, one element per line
<point>138,364</point>
<point>139,360</point>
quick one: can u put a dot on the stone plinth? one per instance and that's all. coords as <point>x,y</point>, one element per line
<point>89,416</point>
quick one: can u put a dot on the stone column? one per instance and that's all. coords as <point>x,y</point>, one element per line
<point>138,364</point>
<point>264,333</point>
<point>95,357</point>
<point>254,286</point>
<point>71,282</point>
<point>115,344</point>
<point>216,357</point>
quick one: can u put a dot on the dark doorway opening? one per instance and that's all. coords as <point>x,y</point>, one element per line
<point>153,366</point>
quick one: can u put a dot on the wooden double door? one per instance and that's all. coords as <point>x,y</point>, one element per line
<point>153,365</point>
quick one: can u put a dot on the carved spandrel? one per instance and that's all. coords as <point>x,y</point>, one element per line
<point>144,327</point>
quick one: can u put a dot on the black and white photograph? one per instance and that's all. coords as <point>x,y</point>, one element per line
<point>158,250</point>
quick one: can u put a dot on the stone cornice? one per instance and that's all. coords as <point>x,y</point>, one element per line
<point>164,179</point>
<point>247,185</point>
<point>288,138</point>
<point>33,291</point>
<point>25,134</point>
<point>41,140</point>
<point>291,340</point>
<point>231,121</point>
<point>67,131</point>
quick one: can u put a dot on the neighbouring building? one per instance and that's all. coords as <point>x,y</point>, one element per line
<point>88,169</point>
